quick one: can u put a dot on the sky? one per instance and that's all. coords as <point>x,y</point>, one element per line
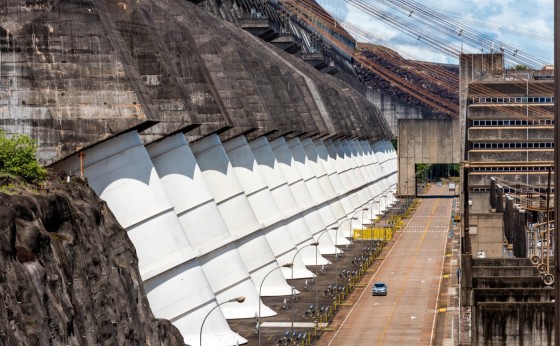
<point>525,25</point>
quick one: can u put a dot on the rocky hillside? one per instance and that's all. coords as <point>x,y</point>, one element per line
<point>68,272</point>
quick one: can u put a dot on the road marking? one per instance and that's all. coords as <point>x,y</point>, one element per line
<point>390,319</point>
<point>436,232</point>
<point>369,283</point>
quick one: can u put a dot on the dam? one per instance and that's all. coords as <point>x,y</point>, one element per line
<point>222,156</point>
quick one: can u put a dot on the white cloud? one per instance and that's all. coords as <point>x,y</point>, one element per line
<point>524,24</point>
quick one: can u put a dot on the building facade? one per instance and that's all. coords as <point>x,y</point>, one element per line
<point>509,136</point>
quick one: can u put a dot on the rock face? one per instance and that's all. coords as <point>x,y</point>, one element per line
<point>69,274</point>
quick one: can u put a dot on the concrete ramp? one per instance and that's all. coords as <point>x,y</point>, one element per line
<point>330,181</point>
<point>121,173</point>
<point>303,199</point>
<point>330,210</point>
<point>226,186</point>
<point>204,226</point>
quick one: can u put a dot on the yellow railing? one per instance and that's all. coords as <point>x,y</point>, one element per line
<point>375,233</point>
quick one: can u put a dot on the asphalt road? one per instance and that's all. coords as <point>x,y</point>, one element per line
<point>411,264</point>
<point>412,270</point>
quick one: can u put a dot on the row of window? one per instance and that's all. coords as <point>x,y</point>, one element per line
<point>545,99</point>
<point>513,145</point>
<point>510,190</point>
<point>510,169</point>
<point>534,122</point>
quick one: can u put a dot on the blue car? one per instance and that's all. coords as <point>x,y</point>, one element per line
<point>379,289</point>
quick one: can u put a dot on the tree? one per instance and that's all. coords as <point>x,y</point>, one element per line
<point>17,157</point>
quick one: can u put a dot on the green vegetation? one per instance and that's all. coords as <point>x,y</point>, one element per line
<point>422,167</point>
<point>437,171</point>
<point>520,67</point>
<point>6,188</point>
<point>17,157</point>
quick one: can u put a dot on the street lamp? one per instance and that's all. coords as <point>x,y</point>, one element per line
<point>385,202</point>
<point>364,209</point>
<point>352,218</point>
<point>287,265</point>
<point>371,211</point>
<point>316,252</point>
<point>336,250</point>
<point>303,247</point>
<point>240,299</point>
<point>378,201</point>
<point>336,239</point>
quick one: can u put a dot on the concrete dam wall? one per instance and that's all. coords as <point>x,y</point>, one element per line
<point>509,302</point>
<point>75,73</point>
<point>223,157</point>
<point>210,220</point>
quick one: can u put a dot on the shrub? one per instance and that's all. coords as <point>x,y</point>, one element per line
<point>17,157</point>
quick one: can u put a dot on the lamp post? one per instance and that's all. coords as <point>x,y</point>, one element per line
<point>354,218</point>
<point>316,265</point>
<point>287,265</point>
<point>351,218</point>
<point>378,201</point>
<point>364,209</point>
<point>303,247</point>
<point>356,212</point>
<point>336,239</point>
<point>336,248</point>
<point>371,210</point>
<point>240,299</point>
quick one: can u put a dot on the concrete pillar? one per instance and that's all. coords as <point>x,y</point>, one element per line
<point>365,153</point>
<point>339,178</point>
<point>321,217</point>
<point>368,171</point>
<point>336,213</point>
<point>344,169</point>
<point>329,163</point>
<point>279,230</point>
<point>344,155</point>
<point>358,197</point>
<point>358,169</point>
<point>380,184</point>
<point>373,167</point>
<point>376,178</point>
<point>381,151</point>
<point>302,224</point>
<point>121,173</point>
<point>343,174</point>
<point>207,232</point>
<point>369,187</point>
<point>370,177</point>
<point>236,208</point>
